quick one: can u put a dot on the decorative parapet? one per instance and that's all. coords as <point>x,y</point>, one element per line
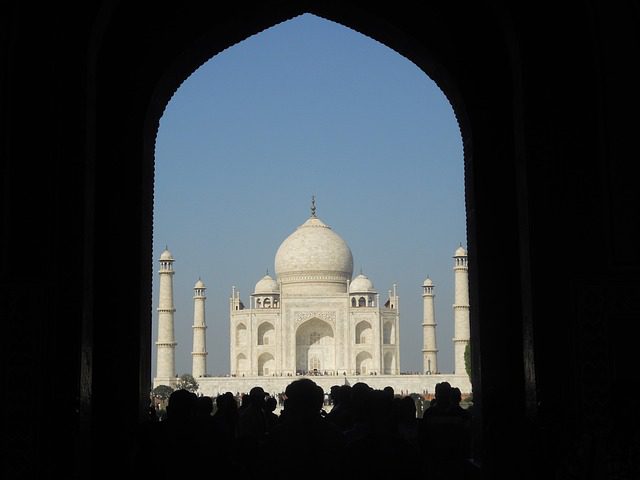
<point>302,317</point>
<point>314,276</point>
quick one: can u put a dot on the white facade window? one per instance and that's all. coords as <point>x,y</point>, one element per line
<point>241,335</point>
<point>314,363</point>
<point>387,333</point>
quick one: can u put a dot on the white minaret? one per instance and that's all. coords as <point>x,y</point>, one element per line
<point>166,344</point>
<point>199,354</point>
<point>460,309</point>
<point>429,350</point>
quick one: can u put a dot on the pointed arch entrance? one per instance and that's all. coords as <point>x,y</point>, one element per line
<point>315,347</point>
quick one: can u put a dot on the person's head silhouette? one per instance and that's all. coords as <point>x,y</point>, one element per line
<point>181,406</point>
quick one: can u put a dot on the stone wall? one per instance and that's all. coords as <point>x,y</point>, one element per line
<point>212,386</point>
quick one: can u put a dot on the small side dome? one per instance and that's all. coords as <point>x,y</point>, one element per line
<point>199,284</point>
<point>266,285</point>
<point>166,255</point>
<point>460,252</point>
<point>428,283</point>
<point>361,284</point>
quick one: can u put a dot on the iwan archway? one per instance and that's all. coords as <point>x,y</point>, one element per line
<point>482,105</point>
<point>310,95</point>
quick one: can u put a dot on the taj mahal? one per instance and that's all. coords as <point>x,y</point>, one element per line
<point>313,319</point>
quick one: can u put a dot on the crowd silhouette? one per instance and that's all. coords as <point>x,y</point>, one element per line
<point>367,432</point>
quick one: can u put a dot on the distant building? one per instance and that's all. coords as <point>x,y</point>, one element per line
<point>313,318</point>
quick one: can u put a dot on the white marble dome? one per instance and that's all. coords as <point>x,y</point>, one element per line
<point>361,284</point>
<point>266,286</point>
<point>314,253</point>
<point>428,283</point>
<point>166,255</point>
<point>460,252</point>
<point>199,284</point>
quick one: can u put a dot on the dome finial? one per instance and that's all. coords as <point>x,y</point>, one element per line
<point>313,206</point>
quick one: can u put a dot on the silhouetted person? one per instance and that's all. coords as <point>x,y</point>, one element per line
<point>226,416</point>
<point>442,400</point>
<point>208,437</point>
<point>359,414</point>
<point>333,393</point>
<point>456,409</point>
<point>244,402</point>
<point>151,413</point>
<point>444,433</point>
<point>251,429</point>
<point>404,413</point>
<point>251,421</point>
<point>340,414</point>
<point>204,406</point>
<point>378,450</point>
<point>303,444</point>
<point>389,391</point>
<point>175,437</point>
<point>271,418</point>
<point>225,420</point>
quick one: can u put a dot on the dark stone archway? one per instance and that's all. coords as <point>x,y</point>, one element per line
<point>546,98</point>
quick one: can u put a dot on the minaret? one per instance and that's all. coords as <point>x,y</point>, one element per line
<point>460,309</point>
<point>429,350</point>
<point>166,344</point>
<point>199,354</point>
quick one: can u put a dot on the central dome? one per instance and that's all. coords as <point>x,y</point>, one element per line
<point>314,253</point>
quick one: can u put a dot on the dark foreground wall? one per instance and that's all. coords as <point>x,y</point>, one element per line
<point>547,100</point>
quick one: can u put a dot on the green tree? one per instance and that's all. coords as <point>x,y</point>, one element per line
<point>467,359</point>
<point>160,396</point>
<point>162,392</point>
<point>187,382</point>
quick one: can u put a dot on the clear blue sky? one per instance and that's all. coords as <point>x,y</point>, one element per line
<point>305,108</point>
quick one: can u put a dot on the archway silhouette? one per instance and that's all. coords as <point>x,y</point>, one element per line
<point>546,100</point>
<point>389,335</point>
<point>309,106</point>
<point>486,128</point>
